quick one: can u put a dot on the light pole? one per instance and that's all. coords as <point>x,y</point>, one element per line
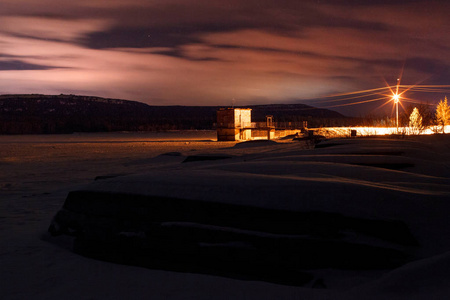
<point>396,98</point>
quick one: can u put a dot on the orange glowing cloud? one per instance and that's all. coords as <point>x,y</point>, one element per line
<point>210,51</point>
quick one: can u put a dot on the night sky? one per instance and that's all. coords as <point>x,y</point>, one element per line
<point>208,52</point>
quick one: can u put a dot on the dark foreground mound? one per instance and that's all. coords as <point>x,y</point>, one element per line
<point>236,241</point>
<point>279,216</point>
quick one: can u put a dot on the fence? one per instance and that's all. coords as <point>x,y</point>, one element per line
<point>261,125</point>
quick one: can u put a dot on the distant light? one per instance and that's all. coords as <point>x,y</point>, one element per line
<point>396,98</point>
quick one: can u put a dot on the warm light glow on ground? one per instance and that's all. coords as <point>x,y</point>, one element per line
<point>333,132</point>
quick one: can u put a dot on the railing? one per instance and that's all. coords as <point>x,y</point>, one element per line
<point>290,125</point>
<point>262,125</point>
<point>243,125</point>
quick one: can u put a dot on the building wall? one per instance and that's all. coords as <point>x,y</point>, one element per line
<point>283,133</point>
<point>228,134</point>
<point>242,117</point>
<point>266,134</point>
<point>226,118</point>
<point>245,134</point>
<point>273,133</point>
<point>231,124</point>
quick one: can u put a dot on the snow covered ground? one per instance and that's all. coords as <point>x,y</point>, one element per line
<point>331,132</point>
<point>402,179</point>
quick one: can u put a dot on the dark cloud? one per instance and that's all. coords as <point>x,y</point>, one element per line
<point>369,3</point>
<point>428,65</point>
<point>176,24</point>
<point>10,65</point>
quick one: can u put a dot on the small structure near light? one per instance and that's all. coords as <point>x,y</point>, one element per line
<point>235,124</point>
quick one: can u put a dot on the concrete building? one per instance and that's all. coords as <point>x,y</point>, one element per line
<point>234,124</point>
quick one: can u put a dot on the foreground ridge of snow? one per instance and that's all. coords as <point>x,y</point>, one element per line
<point>407,180</point>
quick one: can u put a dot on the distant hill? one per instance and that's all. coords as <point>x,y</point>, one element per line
<point>24,114</point>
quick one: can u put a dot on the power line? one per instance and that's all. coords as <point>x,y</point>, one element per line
<point>379,92</point>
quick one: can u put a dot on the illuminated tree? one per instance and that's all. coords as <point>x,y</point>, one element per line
<point>415,121</point>
<point>443,114</point>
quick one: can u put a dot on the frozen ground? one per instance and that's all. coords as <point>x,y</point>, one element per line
<point>331,132</point>
<point>407,179</point>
